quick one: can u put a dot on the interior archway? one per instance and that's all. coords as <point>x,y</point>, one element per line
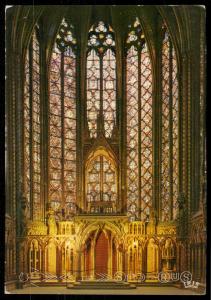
<point>101,255</point>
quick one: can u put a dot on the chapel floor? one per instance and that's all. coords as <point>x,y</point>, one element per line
<point>138,291</point>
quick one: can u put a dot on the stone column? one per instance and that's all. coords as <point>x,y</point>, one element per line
<point>59,263</point>
<point>119,261</point>
<point>110,258</point>
<point>204,263</point>
<point>42,275</point>
<point>78,264</point>
<point>201,262</point>
<point>92,259</point>
<point>199,271</point>
<point>194,262</point>
<point>82,264</point>
<point>191,261</point>
<point>125,261</point>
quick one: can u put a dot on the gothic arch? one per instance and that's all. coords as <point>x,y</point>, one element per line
<point>99,149</point>
<point>152,254</point>
<point>172,27</point>
<point>21,31</point>
<point>149,34</point>
<point>53,31</point>
<point>30,240</point>
<point>96,226</point>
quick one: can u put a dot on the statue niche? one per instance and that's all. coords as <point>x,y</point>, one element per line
<point>168,256</point>
<point>152,257</point>
<point>51,221</point>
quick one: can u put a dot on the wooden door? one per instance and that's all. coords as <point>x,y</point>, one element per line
<point>101,256</point>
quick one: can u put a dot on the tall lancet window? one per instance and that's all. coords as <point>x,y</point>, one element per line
<point>169,151</point>
<point>139,124</point>
<point>101,80</point>
<point>62,121</point>
<point>32,168</point>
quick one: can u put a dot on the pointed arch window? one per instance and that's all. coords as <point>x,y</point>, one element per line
<point>101,80</point>
<point>31,115</point>
<point>139,123</point>
<point>169,136</point>
<point>101,189</point>
<point>62,117</point>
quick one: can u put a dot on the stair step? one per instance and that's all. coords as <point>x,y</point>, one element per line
<point>102,288</point>
<point>155,284</point>
<point>43,284</point>
<point>101,285</point>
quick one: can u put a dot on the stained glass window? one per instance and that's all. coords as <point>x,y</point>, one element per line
<point>202,115</point>
<point>27,129</point>
<point>132,131</point>
<point>109,91</point>
<point>62,121</point>
<point>139,124</point>
<point>32,127</point>
<point>169,151</point>
<point>101,79</point>
<point>101,181</point>
<point>93,91</point>
<point>175,141</point>
<point>146,133</point>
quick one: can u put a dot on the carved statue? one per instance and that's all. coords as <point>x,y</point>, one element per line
<point>153,217</point>
<point>51,222</point>
<point>152,222</point>
<point>23,214</point>
<point>182,214</point>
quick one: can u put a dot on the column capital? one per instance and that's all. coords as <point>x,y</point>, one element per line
<point>80,251</point>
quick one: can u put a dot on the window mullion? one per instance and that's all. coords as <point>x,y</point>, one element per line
<point>139,133</point>
<point>101,96</point>
<point>101,178</point>
<point>31,125</point>
<point>170,132</point>
<point>62,127</point>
